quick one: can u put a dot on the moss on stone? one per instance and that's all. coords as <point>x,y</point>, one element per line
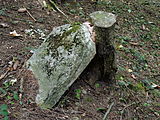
<point>74,28</point>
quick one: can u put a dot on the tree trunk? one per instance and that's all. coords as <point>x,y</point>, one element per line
<point>103,66</point>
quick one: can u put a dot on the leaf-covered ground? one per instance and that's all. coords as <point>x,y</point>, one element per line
<point>136,96</point>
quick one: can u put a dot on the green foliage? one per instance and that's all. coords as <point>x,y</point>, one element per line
<point>119,76</point>
<point>146,104</point>
<point>15,95</point>
<point>8,94</point>
<point>88,99</point>
<point>138,56</point>
<point>146,36</point>
<point>97,85</point>
<point>4,111</point>
<point>78,93</point>
<point>135,87</point>
<point>2,12</point>
<point>101,109</point>
<point>73,11</point>
<point>2,92</point>
<point>155,93</point>
<point>124,83</point>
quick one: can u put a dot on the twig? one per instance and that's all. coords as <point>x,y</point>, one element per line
<point>21,88</point>
<point>109,109</point>
<point>21,84</point>
<point>4,75</point>
<point>88,84</point>
<point>60,11</point>
<point>40,3</point>
<point>132,93</point>
<point>157,118</point>
<point>125,108</point>
<point>31,16</point>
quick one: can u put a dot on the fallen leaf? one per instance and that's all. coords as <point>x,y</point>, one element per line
<point>15,34</point>
<point>143,27</point>
<point>133,43</point>
<point>20,96</point>
<point>31,51</point>
<point>13,81</point>
<point>21,10</point>
<point>120,46</point>
<point>15,65</point>
<point>2,76</point>
<point>10,68</point>
<point>76,16</point>
<point>129,10</point>
<point>129,70</point>
<point>45,4</point>
<point>4,25</point>
<point>10,63</point>
<point>155,86</point>
<point>84,114</point>
<point>133,76</point>
<point>150,22</point>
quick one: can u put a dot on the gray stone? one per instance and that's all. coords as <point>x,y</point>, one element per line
<point>59,61</point>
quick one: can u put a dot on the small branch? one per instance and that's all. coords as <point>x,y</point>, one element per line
<point>21,88</point>
<point>88,84</point>
<point>40,3</point>
<point>31,16</point>
<point>4,75</point>
<point>108,111</point>
<point>125,108</point>
<point>60,11</point>
<point>21,84</point>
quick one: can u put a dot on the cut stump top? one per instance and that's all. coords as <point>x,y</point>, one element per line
<point>102,19</point>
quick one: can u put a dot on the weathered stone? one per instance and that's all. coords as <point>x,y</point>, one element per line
<point>60,59</point>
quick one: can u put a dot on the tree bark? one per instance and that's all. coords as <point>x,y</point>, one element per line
<point>103,66</point>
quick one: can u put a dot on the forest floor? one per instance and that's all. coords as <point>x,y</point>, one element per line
<point>135,96</point>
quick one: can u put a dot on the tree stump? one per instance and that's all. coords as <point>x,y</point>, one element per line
<point>103,66</point>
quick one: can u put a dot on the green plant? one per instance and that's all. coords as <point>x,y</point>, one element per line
<point>2,92</point>
<point>139,87</point>
<point>101,109</point>
<point>73,11</point>
<point>88,99</point>
<point>15,95</point>
<point>4,111</point>
<point>3,12</point>
<point>155,93</point>
<point>97,85</point>
<point>124,83</point>
<point>7,93</point>
<point>146,36</point>
<point>78,93</point>
<point>140,58</point>
<point>146,104</point>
